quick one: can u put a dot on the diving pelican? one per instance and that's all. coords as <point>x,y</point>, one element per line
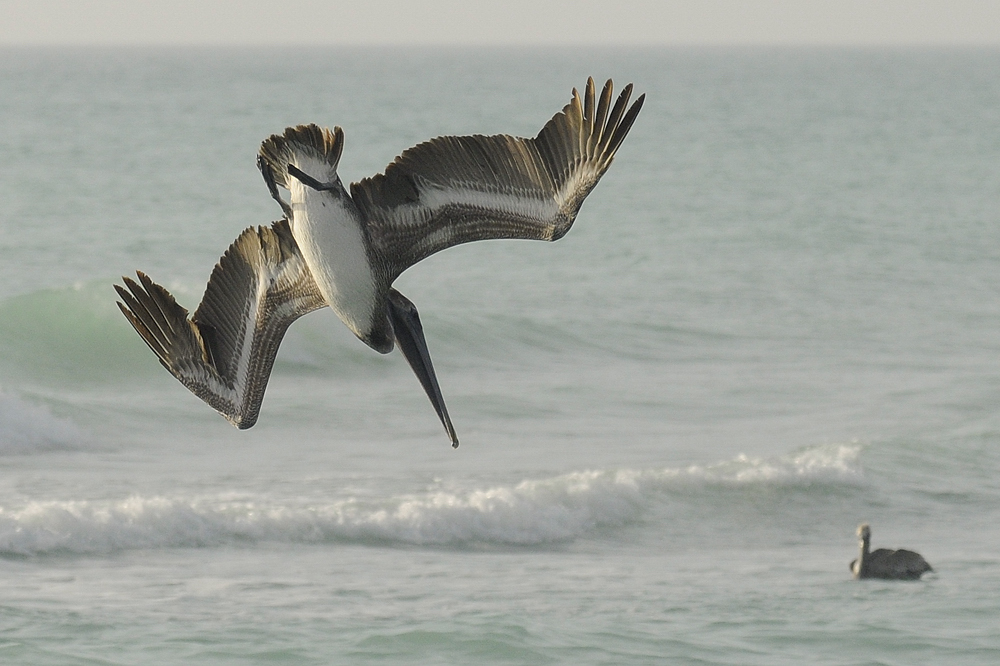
<point>344,249</point>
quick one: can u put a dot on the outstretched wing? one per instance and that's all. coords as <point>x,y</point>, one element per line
<point>457,189</point>
<point>224,353</point>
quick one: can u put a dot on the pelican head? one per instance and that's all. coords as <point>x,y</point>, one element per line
<point>864,532</point>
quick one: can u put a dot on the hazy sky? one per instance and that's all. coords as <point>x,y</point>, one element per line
<point>500,22</point>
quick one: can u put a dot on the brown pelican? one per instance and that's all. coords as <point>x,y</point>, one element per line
<point>344,249</point>
<point>882,563</point>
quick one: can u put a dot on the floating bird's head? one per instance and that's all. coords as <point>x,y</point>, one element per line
<point>864,532</point>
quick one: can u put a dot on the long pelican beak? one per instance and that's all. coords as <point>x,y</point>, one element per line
<point>410,338</point>
<point>272,187</point>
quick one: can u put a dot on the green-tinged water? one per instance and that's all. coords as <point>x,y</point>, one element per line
<point>776,317</point>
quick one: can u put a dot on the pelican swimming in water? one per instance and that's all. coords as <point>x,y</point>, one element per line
<point>883,563</point>
<point>344,249</point>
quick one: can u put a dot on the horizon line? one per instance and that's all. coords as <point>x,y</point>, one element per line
<point>507,44</point>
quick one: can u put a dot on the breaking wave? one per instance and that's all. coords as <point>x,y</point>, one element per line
<point>26,428</point>
<point>532,512</point>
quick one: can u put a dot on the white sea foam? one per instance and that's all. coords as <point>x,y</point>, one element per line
<point>531,512</point>
<point>26,427</point>
<point>815,464</point>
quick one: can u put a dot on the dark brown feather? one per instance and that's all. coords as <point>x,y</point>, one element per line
<point>224,352</point>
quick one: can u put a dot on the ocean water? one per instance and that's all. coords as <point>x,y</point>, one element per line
<point>776,317</point>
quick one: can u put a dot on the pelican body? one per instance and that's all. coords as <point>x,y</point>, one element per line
<point>883,563</point>
<point>343,248</point>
